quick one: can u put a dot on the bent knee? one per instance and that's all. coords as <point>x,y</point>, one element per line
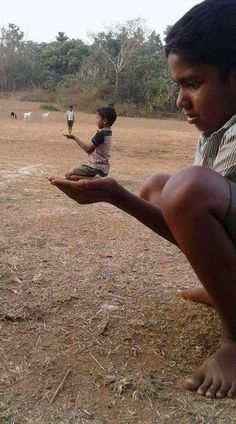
<point>153,186</point>
<point>195,189</point>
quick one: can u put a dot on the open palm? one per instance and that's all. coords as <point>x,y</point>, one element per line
<point>88,191</point>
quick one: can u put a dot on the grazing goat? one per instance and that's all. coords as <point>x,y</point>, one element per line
<point>13,115</point>
<point>45,115</point>
<point>27,116</point>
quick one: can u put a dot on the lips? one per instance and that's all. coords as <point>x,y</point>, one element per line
<point>191,118</point>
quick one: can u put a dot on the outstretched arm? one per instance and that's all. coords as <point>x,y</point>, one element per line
<point>87,147</point>
<point>108,190</point>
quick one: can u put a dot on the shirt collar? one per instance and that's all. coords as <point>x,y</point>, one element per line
<point>225,127</point>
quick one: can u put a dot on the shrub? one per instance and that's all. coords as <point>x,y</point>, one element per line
<point>49,106</point>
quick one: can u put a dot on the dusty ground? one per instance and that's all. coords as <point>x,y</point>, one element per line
<point>88,295</point>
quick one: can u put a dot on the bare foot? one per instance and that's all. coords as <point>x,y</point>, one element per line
<point>198,294</point>
<point>216,378</point>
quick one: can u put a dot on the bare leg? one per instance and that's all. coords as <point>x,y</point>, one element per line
<point>197,226</point>
<point>75,176</point>
<point>151,191</point>
<point>153,186</point>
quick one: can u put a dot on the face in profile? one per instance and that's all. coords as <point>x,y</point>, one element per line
<point>207,100</point>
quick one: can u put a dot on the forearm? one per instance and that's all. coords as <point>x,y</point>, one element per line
<point>81,144</point>
<point>149,214</point>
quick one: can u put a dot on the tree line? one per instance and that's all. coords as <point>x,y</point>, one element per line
<point>124,65</point>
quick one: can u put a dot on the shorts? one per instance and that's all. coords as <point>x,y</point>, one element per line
<point>230,219</point>
<point>70,124</point>
<point>88,171</point>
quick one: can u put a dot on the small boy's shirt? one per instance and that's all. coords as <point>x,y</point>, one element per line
<point>70,115</point>
<point>100,157</point>
<point>217,150</point>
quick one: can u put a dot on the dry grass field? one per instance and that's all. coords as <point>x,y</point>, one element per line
<point>91,328</point>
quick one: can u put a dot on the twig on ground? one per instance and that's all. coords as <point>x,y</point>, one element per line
<point>97,362</point>
<point>60,386</point>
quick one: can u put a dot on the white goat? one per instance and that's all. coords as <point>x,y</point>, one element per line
<point>45,115</point>
<point>27,116</point>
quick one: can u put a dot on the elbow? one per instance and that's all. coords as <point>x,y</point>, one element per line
<point>89,150</point>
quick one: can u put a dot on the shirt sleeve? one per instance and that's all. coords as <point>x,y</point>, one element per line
<point>98,138</point>
<point>225,162</point>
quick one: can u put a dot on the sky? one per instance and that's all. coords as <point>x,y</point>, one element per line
<point>41,20</point>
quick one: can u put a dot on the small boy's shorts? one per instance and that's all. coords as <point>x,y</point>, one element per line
<point>230,219</point>
<point>88,171</point>
<point>70,124</point>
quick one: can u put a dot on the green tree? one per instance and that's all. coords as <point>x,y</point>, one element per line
<point>11,55</point>
<point>61,37</point>
<point>61,60</point>
<point>118,46</point>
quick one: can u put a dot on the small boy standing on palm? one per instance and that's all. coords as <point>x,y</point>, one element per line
<point>70,115</point>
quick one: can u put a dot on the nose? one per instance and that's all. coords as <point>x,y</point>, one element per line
<point>183,101</point>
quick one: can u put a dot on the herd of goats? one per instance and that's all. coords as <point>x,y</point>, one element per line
<point>27,115</point>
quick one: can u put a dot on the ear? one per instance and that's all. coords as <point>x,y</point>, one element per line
<point>105,121</point>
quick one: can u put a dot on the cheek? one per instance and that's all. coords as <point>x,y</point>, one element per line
<point>210,102</point>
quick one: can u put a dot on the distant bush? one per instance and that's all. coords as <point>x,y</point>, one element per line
<point>38,95</point>
<point>49,106</point>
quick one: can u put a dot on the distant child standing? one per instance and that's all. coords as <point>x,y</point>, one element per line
<point>98,149</point>
<point>70,119</point>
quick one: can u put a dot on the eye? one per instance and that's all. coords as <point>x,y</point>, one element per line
<point>193,85</point>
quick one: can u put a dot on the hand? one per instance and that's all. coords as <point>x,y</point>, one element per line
<point>89,191</point>
<point>71,136</point>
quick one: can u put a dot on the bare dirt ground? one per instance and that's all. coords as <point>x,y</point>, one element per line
<point>91,328</point>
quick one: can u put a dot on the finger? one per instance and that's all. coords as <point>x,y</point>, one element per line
<point>68,187</point>
<point>59,182</point>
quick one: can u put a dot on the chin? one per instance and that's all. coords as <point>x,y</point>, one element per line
<point>204,128</point>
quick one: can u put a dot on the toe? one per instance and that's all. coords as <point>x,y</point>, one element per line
<point>214,387</point>
<point>232,391</point>
<point>194,382</point>
<point>223,390</point>
<point>202,390</point>
<point>184,293</point>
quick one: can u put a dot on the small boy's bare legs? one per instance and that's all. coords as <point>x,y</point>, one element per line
<point>194,203</point>
<point>73,176</point>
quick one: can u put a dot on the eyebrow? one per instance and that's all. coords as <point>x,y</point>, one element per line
<point>187,78</point>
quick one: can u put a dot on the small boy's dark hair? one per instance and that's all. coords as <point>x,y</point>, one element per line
<point>109,113</point>
<point>71,107</point>
<point>206,34</point>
